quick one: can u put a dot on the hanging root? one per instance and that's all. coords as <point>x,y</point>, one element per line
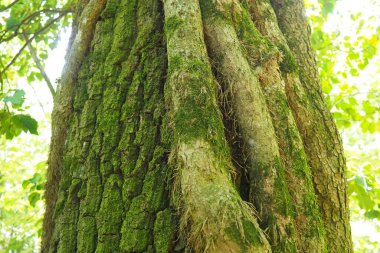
<point>223,21</point>
<point>213,217</point>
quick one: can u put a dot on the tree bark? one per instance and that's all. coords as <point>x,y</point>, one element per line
<point>193,126</point>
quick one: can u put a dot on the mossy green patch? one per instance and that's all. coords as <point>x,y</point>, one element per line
<point>257,48</point>
<point>288,63</point>
<point>86,234</point>
<point>164,230</point>
<point>249,239</point>
<point>111,9</point>
<point>209,10</point>
<point>171,25</point>
<point>282,196</point>
<point>198,114</point>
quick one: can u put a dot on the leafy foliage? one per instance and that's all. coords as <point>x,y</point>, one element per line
<point>22,179</point>
<point>12,123</point>
<point>23,23</point>
<point>342,55</point>
<point>26,27</point>
<point>347,46</point>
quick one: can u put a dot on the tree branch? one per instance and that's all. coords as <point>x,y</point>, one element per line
<point>9,6</point>
<point>29,19</point>
<point>39,65</point>
<point>29,41</point>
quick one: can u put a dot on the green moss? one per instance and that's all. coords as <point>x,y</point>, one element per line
<point>121,84</point>
<point>80,96</point>
<point>154,190</point>
<point>257,48</point>
<point>209,10</point>
<point>86,234</point>
<point>202,116</point>
<point>285,246</point>
<point>74,188</point>
<point>198,114</point>
<point>171,25</point>
<point>288,63</point>
<point>82,191</point>
<point>135,240</point>
<point>135,228</point>
<point>124,39</point>
<point>250,238</point>
<point>282,196</point>
<point>164,231</point>
<point>252,234</point>
<point>111,9</point>
<point>93,196</point>
<point>61,199</point>
<point>131,187</point>
<point>280,201</point>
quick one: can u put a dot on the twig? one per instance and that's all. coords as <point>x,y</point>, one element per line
<point>29,41</point>
<point>39,66</point>
<point>9,6</point>
<point>38,99</point>
<point>28,19</point>
<point>37,13</point>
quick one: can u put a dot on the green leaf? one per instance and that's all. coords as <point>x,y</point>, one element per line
<point>327,6</point>
<point>39,76</point>
<point>26,123</point>
<point>33,198</point>
<point>17,98</point>
<point>25,184</point>
<point>41,166</point>
<point>368,108</point>
<point>362,182</point>
<point>36,177</point>
<point>365,201</point>
<point>40,187</point>
<point>12,23</point>
<point>373,214</point>
<point>30,78</point>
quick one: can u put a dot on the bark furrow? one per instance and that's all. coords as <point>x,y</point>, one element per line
<point>80,40</point>
<point>213,216</point>
<point>268,191</point>
<point>319,133</point>
<point>154,96</point>
<point>298,174</point>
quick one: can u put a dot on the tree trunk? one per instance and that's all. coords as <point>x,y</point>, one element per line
<point>193,126</point>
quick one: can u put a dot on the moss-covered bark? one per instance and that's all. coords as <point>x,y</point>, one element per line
<point>268,188</point>
<point>113,193</point>
<point>213,216</point>
<point>143,156</point>
<point>309,223</point>
<point>319,133</point>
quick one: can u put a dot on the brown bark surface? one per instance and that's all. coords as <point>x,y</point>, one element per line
<point>193,126</point>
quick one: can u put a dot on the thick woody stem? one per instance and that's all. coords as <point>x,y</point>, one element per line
<point>319,133</point>
<point>63,108</point>
<point>213,216</point>
<point>269,190</point>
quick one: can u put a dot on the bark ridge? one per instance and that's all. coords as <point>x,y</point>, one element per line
<point>193,126</point>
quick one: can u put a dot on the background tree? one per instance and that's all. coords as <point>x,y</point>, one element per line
<point>170,116</point>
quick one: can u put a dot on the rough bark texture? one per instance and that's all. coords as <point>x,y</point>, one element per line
<point>193,126</point>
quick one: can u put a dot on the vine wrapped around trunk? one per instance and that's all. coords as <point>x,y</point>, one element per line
<point>193,126</point>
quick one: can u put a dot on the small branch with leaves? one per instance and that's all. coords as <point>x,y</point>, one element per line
<point>38,63</point>
<point>28,41</point>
